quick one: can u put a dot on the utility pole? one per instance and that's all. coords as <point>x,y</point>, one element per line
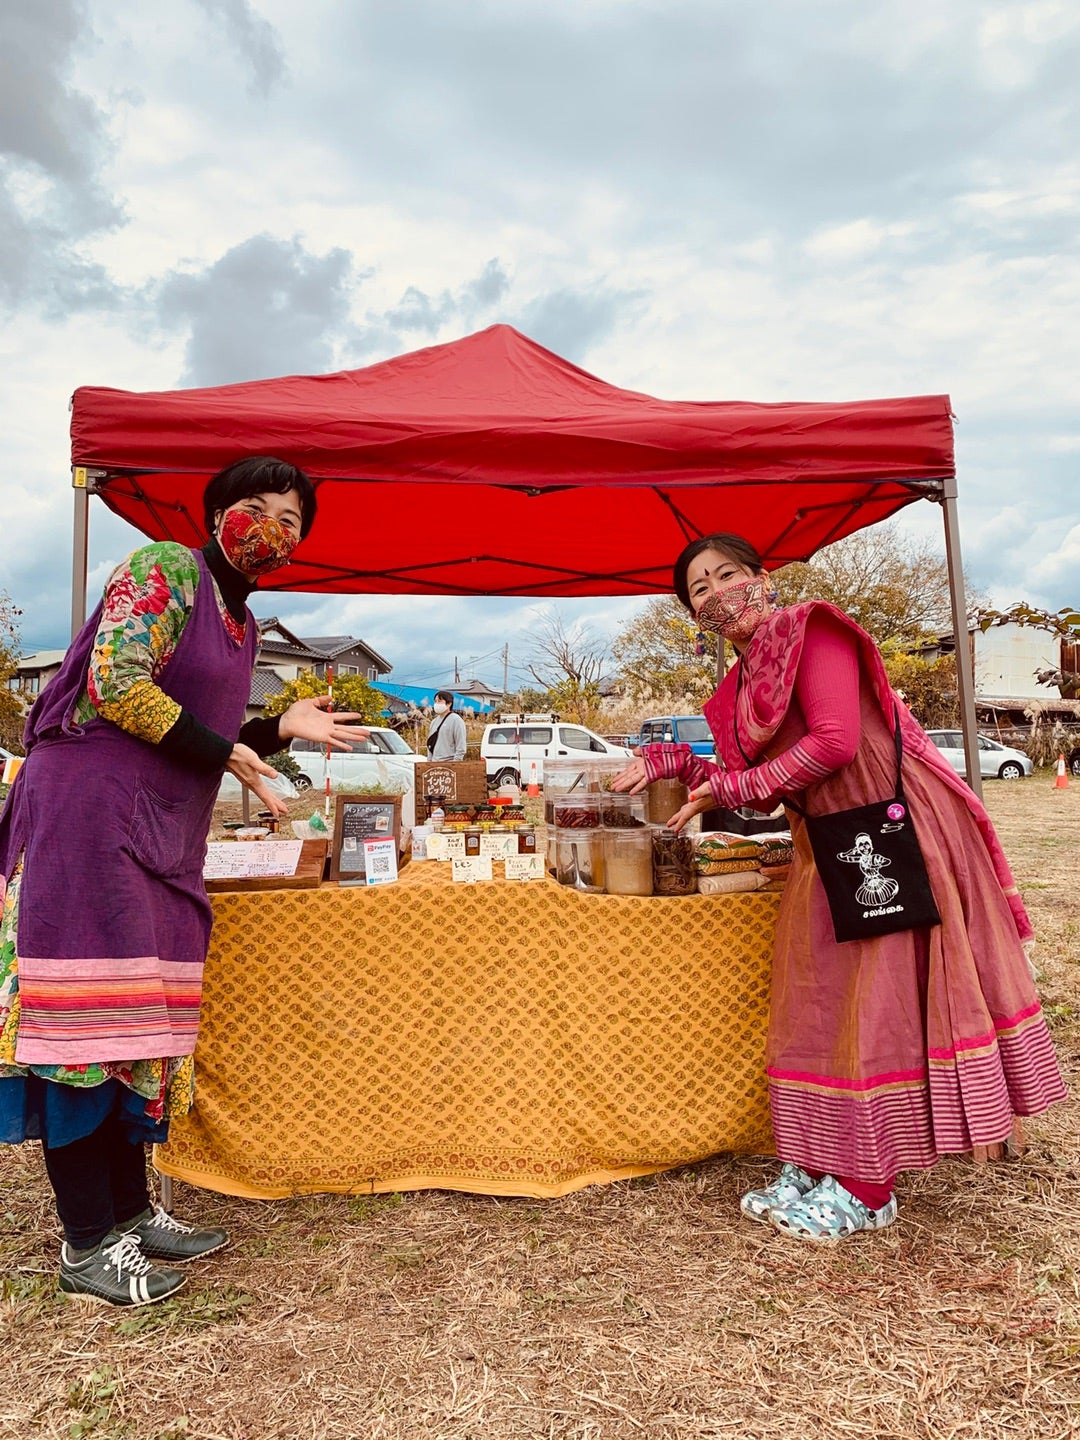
<point>457,677</point>
<point>506,669</point>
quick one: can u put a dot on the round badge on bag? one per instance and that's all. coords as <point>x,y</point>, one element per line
<point>896,811</point>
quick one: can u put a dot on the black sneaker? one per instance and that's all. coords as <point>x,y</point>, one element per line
<point>116,1273</point>
<point>163,1237</point>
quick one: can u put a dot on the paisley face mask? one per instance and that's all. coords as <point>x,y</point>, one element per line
<point>735,613</point>
<point>255,544</point>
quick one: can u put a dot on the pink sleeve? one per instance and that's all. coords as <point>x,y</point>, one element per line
<point>827,691</point>
<point>667,761</point>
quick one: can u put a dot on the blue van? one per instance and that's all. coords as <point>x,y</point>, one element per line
<point>692,730</point>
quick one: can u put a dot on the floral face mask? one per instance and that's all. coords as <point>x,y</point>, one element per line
<point>735,613</point>
<point>255,544</point>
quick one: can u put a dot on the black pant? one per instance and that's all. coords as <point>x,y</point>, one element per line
<point>99,1182</point>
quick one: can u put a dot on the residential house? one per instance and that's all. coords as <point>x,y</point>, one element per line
<point>34,672</point>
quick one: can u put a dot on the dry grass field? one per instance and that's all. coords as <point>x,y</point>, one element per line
<point>641,1309</point>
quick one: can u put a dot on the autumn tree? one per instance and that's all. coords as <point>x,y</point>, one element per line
<point>12,715</point>
<point>657,660</point>
<point>351,692</point>
<point>894,586</point>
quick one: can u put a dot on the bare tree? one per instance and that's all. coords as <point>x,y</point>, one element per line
<point>559,652</point>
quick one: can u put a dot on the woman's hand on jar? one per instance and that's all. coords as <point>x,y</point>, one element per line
<point>700,800</point>
<point>249,770</point>
<point>634,778</point>
<point>312,719</point>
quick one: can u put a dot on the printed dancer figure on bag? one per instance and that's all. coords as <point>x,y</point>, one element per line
<point>876,889</point>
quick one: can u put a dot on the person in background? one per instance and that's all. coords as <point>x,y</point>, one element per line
<point>883,1054</point>
<point>446,738</point>
<point>104,920</point>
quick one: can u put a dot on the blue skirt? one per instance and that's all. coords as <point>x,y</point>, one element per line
<point>35,1109</point>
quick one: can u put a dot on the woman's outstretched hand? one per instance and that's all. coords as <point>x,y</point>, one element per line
<point>634,777</point>
<point>312,719</point>
<point>700,800</point>
<point>249,770</point>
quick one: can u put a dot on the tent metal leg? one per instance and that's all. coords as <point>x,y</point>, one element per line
<point>80,538</point>
<point>165,1187</point>
<point>965,669</point>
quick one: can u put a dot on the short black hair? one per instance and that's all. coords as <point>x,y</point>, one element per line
<point>258,475</point>
<point>447,695</point>
<point>733,546</point>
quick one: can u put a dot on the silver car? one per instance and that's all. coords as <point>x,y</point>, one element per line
<point>994,758</point>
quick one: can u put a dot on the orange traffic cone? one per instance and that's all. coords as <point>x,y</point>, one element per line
<point>1061,780</point>
<point>534,787</point>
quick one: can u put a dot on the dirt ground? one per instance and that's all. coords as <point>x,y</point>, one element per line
<point>643,1308</point>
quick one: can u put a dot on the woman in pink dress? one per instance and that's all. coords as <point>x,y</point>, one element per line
<point>883,1054</point>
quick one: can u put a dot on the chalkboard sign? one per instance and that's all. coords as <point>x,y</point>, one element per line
<point>358,818</point>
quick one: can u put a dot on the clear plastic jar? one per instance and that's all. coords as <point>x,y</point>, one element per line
<point>579,860</point>
<point>577,812</point>
<point>665,798</point>
<point>628,862</point>
<point>622,812</point>
<point>673,863</point>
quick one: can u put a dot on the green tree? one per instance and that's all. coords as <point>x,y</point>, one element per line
<point>928,686</point>
<point>894,586</point>
<point>12,713</point>
<point>351,692</point>
<point>655,653</point>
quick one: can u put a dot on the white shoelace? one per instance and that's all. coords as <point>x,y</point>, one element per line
<point>164,1221</point>
<point>127,1256</point>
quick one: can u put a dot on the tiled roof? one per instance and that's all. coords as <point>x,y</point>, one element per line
<point>331,646</point>
<point>264,684</point>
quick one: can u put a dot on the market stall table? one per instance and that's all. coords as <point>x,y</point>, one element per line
<point>500,1038</point>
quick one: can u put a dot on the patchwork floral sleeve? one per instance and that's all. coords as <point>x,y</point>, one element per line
<point>147,603</point>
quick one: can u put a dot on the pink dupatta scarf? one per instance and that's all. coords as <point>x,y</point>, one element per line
<point>753,708</point>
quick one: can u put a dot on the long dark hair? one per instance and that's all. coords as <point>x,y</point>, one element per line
<point>258,475</point>
<point>733,546</point>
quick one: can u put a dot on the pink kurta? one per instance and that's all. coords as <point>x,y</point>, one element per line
<point>887,1053</point>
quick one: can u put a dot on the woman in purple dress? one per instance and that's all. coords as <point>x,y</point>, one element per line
<point>105,922</point>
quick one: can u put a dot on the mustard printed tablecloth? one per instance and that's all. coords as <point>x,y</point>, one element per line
<point>507,1039</point>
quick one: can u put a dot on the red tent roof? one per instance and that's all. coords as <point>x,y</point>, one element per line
<point>492,466</point>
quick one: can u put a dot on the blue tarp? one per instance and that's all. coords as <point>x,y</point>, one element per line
<point>422,697</point>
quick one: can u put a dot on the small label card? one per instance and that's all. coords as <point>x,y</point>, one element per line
<point>453,845</point>
<point>524,867</point>
<point>380,861</point>
<point>472,867</point>
<point>499,847</point>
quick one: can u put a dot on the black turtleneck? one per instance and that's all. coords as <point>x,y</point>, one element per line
<point>189,740</point>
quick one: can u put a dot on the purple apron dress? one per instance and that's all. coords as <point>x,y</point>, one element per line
<point>114,921</point>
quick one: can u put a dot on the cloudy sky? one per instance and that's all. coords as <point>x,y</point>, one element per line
<point>702,199</point>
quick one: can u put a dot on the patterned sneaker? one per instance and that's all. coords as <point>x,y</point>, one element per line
<point>163,1237</point>
<point>116,1273</point>
<point>793,1182</point>
<point>829,1212</point>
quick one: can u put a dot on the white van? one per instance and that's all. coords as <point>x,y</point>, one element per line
<point>510,748</point>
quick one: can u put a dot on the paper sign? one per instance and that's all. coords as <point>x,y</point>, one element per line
<point>248,859</point>
<point>473,867</point>
<point>380,861</point>
<point>453,845</point>
<point>524,867</point>
<point>498,846</point>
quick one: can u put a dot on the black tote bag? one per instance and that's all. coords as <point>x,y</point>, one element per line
<point>871,866</point>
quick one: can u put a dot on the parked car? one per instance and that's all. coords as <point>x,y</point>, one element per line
<point>384,759</point>
<point>994,758</point>
<point>692,730</point>
<point>510,749</point>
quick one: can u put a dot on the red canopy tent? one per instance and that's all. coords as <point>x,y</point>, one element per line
<point>490,466</point>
